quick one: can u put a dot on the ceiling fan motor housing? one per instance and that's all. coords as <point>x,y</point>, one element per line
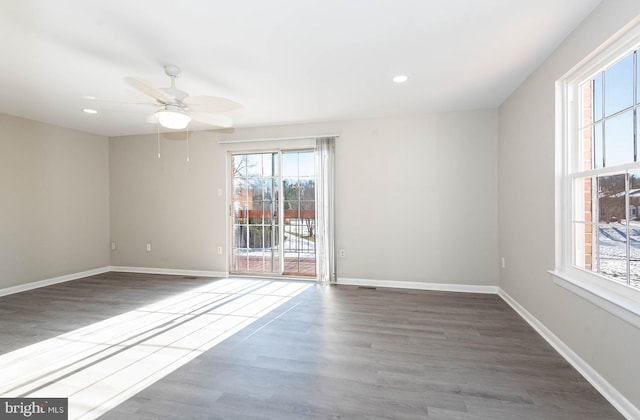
<point>172,71</point>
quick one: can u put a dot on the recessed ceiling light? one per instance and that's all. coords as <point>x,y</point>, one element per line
<point>401,78</point>
<point>90,111</point>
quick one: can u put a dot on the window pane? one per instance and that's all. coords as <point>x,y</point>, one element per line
<point>611,198</point>
<point>637,129</point>
<point>289,165</point>
<point>255,211</point>
<point>635,273</point>
<point>587,148</point>
<point>267,189</point>
<point>618,94</point>
<point>612,251</point>
<point>634,196</point>
<point>587,103</point>
<point>583,206</point>
<point>266,164</point>
<point>619,140</point>
<point>275,203</point>
<point>291,189</point>
<point>307,189</point>
<point>612,234</point>
<point>634,228</point>
<point>239,163</point>
<point>597,97</point>
<point>597,146</point>
<point>276,237</point>
<point>307,164</point>
<point>309,206</point>
<point>291,208</point>
<point>256,237</point>
<point>240,198</point>
<point>253,163</point>
<point>239,260</point>
<point>634,238</point>
<point>584,238</point>
<point>240,237</point>
<point>256,189</point>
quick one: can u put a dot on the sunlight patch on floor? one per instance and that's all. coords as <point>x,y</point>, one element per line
<point>100,366</point>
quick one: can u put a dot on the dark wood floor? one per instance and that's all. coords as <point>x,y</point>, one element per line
<point>332,352</point>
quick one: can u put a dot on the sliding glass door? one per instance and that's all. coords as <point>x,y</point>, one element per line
<point>273,213</point>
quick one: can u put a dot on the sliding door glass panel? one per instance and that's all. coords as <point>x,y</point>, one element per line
<point>298,186</point>
<point>254,214</point>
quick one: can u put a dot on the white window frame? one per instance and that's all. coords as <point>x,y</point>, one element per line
<point>619,299</point>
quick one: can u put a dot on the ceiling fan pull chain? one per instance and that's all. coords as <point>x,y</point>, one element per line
<point>158,126</point>
<point>188,160</point>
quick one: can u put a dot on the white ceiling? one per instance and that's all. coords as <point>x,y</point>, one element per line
<point>286,61</point>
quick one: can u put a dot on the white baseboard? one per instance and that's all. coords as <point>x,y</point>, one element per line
<point>416,285</point>
<point>48,282</point>
<point>75,276</point>
<point>619,401</point>
<point>170,271</point>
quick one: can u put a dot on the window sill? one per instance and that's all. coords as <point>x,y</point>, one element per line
<point>624,307</point>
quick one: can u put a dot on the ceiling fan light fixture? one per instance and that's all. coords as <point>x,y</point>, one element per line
<point>173,117</point>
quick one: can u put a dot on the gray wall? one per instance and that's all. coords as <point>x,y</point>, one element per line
<point>416,197</point>
<point>527,212</point>
<point>54,208</point>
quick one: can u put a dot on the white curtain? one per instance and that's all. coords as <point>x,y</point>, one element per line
<point>325,213</point>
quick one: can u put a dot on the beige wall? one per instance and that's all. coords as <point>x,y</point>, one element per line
<point>416,197</point>
<point>54,208</point>
<point>167,202</point>
<point>526,212</point>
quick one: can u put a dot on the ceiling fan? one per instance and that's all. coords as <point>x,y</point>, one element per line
<point>177,108</point>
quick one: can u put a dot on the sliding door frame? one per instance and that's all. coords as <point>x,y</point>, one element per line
<point>229,211</point>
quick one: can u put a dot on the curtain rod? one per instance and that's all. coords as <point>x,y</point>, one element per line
<point>277,139</point>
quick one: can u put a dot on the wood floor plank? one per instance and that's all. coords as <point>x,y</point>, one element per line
<point>329,352</point>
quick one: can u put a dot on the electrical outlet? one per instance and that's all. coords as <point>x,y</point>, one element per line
<point>113,246</point>
<point>219,250</point>
<point>343,253</point>
<point>148,246</point>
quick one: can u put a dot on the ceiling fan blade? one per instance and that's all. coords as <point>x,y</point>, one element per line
<point>117,101</point>
<point>210,104</point>
<point>215,120</point>
<point>149,90</point>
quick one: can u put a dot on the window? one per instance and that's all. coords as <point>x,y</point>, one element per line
<point>598,118</point>
<point>606,229</point>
